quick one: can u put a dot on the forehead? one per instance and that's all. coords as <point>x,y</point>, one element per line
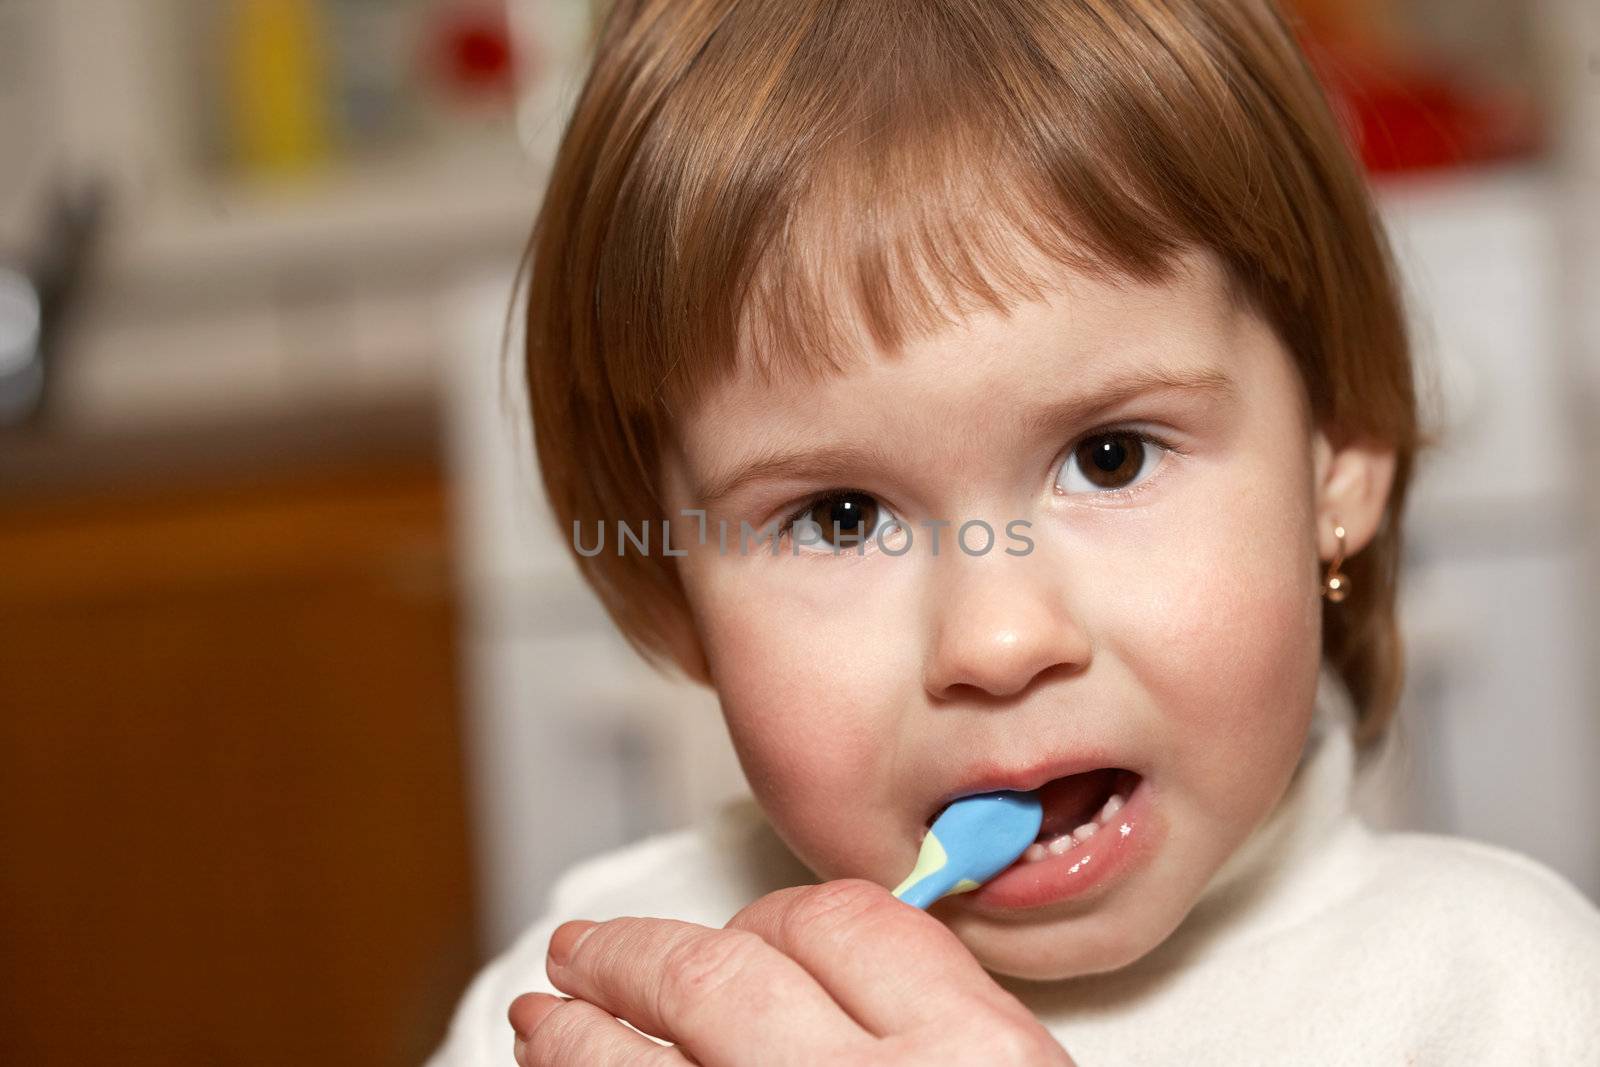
<point>1085,331</point>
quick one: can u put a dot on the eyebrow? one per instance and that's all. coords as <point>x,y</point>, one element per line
<point>1062,415</point>
<point>835,461</point>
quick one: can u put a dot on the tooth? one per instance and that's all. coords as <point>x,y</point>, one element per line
<point>1113,805</point>
<point>1086,831</point>
<point>1035,853</point>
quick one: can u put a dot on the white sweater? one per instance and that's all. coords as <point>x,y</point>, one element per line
<point>1319,942</point>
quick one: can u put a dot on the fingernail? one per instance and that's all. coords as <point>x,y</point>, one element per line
<point>566,938</point>
<point>520,1051</point>
<point>528,1011</point>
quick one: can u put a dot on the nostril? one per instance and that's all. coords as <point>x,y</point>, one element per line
<point>968,693</point>
<point>994,683</point>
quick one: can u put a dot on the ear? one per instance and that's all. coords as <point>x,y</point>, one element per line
<point>1352,477</point>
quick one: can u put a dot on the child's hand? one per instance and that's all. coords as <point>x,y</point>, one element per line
<point>839,973</point>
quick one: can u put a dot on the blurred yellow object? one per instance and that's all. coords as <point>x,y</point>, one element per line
<point>278,79</point>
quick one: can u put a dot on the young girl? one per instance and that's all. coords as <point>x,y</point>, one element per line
<point>1024,389</point>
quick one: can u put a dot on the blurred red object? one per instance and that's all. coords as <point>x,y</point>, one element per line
<point>472,52</point>
<point>1405,115</point>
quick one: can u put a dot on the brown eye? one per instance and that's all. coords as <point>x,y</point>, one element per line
<point>1109,461</point>
<point>841,520</point>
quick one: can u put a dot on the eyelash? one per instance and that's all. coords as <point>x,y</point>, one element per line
<point>1142,436</point>
<point>832,494</point>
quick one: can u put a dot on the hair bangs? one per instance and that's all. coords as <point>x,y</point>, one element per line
<point>860,198</point>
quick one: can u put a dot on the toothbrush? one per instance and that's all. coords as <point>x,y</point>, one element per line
<point>971,841</point>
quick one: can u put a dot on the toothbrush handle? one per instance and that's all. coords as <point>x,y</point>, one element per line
<point>924,891</point>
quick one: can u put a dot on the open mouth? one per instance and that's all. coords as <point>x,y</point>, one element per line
<point>1079,806</point>
<point>1075,807</point>
<point>1095,827</point>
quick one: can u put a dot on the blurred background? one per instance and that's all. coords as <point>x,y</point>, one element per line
<point>297,683</point>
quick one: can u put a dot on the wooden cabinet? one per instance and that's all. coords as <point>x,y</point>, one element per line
<point>231,793</point>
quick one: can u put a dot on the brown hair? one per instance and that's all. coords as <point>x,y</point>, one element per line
<point>719,148</point>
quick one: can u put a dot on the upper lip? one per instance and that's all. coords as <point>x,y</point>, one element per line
<point>988,776</point>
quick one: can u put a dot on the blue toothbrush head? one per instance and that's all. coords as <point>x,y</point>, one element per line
<point>971,841</point>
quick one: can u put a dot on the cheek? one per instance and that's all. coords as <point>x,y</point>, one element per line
<point>807,690</point>
<point>1230,646</point>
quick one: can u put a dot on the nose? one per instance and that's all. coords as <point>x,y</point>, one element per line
<point>999,622</point>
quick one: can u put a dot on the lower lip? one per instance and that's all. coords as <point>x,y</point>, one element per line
<point>1131,835</point>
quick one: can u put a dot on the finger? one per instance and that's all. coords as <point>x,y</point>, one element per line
<point>893,967</point>
<point>526,1011</point>
<point>575,1033</point>
<point>726,996</point>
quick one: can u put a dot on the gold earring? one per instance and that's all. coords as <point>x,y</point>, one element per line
<point>1336,586</point>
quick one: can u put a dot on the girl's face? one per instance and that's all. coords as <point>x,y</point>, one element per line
<point>1145,454</point>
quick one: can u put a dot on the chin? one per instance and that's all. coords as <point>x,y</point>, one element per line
<point>1075,950</point>
<point>1080,962</point>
